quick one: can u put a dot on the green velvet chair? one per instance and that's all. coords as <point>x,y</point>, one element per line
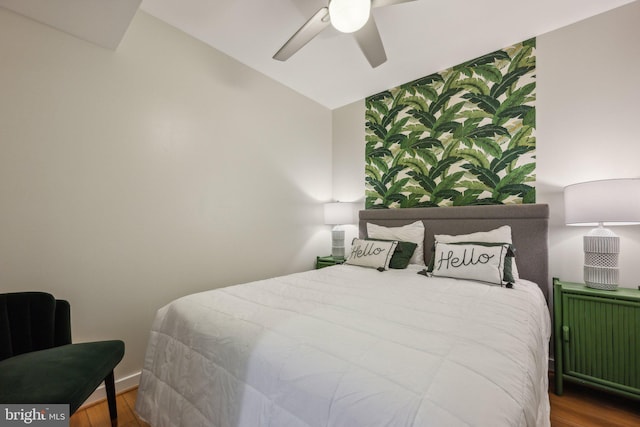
<point>38,362</point>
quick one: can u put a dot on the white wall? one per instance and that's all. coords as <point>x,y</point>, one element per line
<point>133,177</point>
<point>587,113</point>
<point>349,161</point>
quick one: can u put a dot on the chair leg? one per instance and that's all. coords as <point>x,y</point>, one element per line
<point>110,386</point>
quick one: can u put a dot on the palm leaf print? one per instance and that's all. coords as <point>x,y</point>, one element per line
<point>462,136</point>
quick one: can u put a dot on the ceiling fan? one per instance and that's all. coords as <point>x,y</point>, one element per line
<point>347,16</point>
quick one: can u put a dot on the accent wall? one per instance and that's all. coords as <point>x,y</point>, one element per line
<point>462,136</point>
<point>586,115</point>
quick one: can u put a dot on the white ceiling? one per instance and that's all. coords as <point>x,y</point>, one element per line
<point>98,21</point>
<point>420,37</point>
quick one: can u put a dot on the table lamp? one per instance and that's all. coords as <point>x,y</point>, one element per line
<point>337,214</point>
<point>610,202</point>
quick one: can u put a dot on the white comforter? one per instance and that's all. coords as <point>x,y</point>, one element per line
<point>350,346</point>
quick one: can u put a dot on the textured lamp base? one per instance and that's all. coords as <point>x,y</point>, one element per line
<point>601,249</point>
<point>601,277</point>
<point>337,244</point>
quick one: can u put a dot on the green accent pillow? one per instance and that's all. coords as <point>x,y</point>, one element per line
<point>402,255</point>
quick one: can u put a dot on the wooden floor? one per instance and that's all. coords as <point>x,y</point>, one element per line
<point>578,407</point>
<point>583,407</point>
<point>98,415</point>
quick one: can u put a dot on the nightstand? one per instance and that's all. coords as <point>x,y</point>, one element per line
<point>597,338</point>
<point>327,261</point>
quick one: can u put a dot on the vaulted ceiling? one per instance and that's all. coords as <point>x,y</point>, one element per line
<point>419,37</point>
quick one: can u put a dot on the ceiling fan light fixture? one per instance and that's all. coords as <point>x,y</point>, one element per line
<point>349,16</point>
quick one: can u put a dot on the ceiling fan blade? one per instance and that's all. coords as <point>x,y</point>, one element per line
<point>318,22</point>
<point>380,3</point>
<point>368,38</point>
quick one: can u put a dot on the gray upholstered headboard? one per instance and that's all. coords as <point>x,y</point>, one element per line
<point>529,229</point>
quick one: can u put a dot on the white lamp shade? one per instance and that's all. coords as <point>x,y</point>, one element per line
<point>609,202</point>
<point>349,15</point>
<point>337,213</point>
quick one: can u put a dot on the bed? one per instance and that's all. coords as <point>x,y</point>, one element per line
<point>354,346</point>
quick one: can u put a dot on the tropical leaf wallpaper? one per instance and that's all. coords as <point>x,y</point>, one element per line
<point>463,136</point>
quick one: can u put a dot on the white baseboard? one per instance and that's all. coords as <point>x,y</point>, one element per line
<point>122,384</point>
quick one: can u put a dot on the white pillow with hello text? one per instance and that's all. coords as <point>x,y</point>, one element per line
<point>472,262</point>
<point>371,253</point>
<point>499,235</point>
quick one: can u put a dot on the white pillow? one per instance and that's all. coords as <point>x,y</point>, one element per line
<point>469,261</point>
<point>371,253</point>
<point>413,232</point>
<point>499,235</point>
